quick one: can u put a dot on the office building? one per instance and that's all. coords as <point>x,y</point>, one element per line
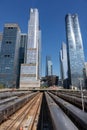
<point>52,80</point>
<point>63,62</point>
<point>49,67</point>
<point>23,46</point>
<point>9,57</point>
<point>85,74</point>
<point>74,50</point>
<point>30,70</point>
<point>86,69</point>
<point>64,65</point>
<point>0,40</point>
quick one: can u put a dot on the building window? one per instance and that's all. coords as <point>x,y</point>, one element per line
<point>10,27</point>
<point>80,46</point>
<point>7,68</point>
<point>6,55</point>
<point>8,42</point>
<point>71,46</point>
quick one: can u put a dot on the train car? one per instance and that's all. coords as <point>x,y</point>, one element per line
<point>59,120</point>
<point>9,109</point>
<point>78,116</point>
<point>74,100</point>
<point>8,100</point>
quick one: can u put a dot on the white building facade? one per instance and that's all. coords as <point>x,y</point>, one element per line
<point>30,70</point>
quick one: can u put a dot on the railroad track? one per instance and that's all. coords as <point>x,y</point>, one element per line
<point>30,123</point>
<point>16,121</point>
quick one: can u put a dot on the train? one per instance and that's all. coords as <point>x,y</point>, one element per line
<point>9,109</point>
<point>13,93</point>
<point>78,116</point>
<point>72,99</point>
<point>7,100</point>
<point>59,119</point>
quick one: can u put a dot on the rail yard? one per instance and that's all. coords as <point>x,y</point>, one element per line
<point>43,110</point>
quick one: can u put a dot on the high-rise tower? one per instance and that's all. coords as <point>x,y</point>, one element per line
<point>63,61</point>
<point>9,55</point>
<point>49,68</point>
<point>1,35</point>
<point>74,50</point>
<point>23,46</point>
<point>30,70</point>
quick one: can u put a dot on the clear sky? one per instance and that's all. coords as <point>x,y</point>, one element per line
<point>52,22</point>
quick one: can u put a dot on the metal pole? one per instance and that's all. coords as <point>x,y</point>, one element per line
<point>82,97</point>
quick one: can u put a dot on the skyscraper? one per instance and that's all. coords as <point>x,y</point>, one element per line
<point>85,74</point>
<point>63,62</point>
<point>30,70</point>
<point>9,56</point>
<point>23,46</point>
<point>1,35</point>
<point>49,68</point>
<point>74,50</point>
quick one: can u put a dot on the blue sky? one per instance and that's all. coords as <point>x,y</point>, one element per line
<point>52,22</point>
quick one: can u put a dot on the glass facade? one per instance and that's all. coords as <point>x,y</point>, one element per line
<point>63,62</point>
<point>31,67</point>
<point>33,41</point>
<point>39,56</point>
<point>49,69</point>
<point>1,35</point>
<point>74,50</point>
<point>23,46</point>
<point>9,56</point>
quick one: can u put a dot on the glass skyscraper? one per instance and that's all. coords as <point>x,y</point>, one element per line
<point>49,68</point>
<point>9,55</point>
<point>1,35</point>
<point>23,46</point>
<point>30,70</point>
<point>63,62</point>
<point>74,50</point>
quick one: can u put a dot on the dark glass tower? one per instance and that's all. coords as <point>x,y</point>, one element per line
<point>23,46</point>
<point>1,35</point>
<point>74,50</point>
<point>9,55</point>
